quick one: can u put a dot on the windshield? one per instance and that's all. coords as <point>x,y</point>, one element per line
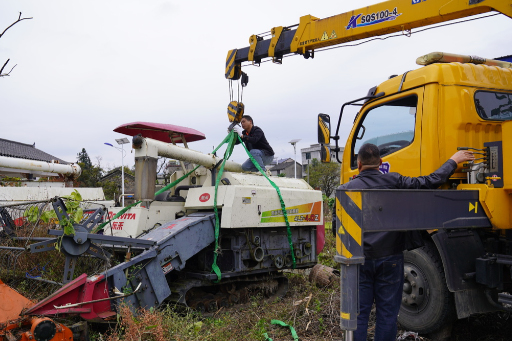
<point>389,126</point>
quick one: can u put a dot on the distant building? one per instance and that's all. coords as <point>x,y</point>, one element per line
<point>18,150</point>
<point>115,176</point>
<point>285,166</point>
<point>313,152</point>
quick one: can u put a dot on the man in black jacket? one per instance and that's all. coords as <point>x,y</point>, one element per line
<point>381,276</point>
<point>256,143</point>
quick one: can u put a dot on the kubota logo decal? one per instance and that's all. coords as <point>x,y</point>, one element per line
<point>204,197</point>
<point>126,216</point>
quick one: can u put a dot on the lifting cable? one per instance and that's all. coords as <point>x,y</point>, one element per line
<point>239,93</point>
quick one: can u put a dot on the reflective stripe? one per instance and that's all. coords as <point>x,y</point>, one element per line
<point>230,62</point>
<point>349,220</point>
<point>351,227</point>
<point>356,198</point>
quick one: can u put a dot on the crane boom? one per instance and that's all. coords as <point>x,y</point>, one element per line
<point>380,19</point>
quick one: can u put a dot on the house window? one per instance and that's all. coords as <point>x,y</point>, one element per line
<point>308,156</point>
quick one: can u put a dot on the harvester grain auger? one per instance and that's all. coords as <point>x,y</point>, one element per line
<point>248,241</point>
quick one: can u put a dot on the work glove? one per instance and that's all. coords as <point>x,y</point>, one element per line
<point>238,130</point>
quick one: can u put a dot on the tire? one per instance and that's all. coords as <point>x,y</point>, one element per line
<point>427,304</point>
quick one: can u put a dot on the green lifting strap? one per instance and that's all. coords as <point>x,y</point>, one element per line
<point>120,213</point>
<point>283,207</point>
<point>282,324</point>
<point>229,150</point>
<point>171,185</point>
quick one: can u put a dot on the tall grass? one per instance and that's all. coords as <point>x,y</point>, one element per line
<point>313,312</point>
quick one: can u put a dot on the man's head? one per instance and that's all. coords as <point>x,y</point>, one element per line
<point>368,157</point>
<point>246,123</point>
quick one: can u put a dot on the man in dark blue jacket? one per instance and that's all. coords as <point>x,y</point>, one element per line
<point>256,143</point>
<point>381,276</point>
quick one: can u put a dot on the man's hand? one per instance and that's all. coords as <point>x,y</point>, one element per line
<point>462,156</point>
<point>238,130</point>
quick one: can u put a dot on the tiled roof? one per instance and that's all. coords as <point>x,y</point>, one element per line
<point>115,172</point>
<point>279,161</point>
<point>283,165</point>
<point>25,151</point>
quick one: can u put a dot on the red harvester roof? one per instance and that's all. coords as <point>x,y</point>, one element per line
<point>160,131</point>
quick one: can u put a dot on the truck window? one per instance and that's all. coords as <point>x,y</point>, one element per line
<point>493,105</point>
<point>389,126</point>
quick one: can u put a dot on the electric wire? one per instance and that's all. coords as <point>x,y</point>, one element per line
<point>408,34</point>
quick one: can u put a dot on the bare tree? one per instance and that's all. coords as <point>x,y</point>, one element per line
<point>1,35</point>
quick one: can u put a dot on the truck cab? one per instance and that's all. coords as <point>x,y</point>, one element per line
<point>430,112</point>
<point>418,120</point>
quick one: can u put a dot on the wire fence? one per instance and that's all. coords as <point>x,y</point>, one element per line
<point>36,275</point>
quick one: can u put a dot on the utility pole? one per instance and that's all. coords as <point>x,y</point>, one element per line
<point>294,144</point>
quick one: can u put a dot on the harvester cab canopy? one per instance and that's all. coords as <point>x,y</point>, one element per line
<point>161,132</point>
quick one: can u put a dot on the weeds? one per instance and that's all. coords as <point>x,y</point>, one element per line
<point>312,311</point>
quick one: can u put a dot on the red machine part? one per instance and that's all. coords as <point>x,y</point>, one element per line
<point>11,303</point>
<point>87,297</point>
<point>320,238</point>
<point>161,131</point>
<point>26,328</point>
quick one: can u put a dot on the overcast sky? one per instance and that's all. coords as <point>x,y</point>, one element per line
<point>86,67</point>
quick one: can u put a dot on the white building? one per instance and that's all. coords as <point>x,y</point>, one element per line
<point>313,152</point>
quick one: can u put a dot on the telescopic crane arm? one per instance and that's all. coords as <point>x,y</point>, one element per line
<point>380,19</point>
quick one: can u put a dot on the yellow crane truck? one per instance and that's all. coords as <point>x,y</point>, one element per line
<point>418,119</point>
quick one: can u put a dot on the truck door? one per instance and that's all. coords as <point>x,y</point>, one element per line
<point>394,125</point>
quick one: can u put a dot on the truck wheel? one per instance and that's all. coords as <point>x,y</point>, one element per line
<point>427,304</point>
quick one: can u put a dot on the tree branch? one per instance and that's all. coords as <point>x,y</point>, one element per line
<point>2,69</point>
<point>14,23</point>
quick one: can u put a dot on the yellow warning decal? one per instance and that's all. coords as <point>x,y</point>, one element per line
<point>345,316</point>
<point>341,248</point>
<point>350,226</point>
<point>324,36</point>
<point>356,198</point>
<point>333,35</point>
<point>473,207</point>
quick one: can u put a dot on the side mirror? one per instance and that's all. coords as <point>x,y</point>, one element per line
<point>325,153</point>
<point>324,129</point>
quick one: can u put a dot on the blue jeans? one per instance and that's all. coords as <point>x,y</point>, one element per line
<point>380,279</point>
<point>260,158</point>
